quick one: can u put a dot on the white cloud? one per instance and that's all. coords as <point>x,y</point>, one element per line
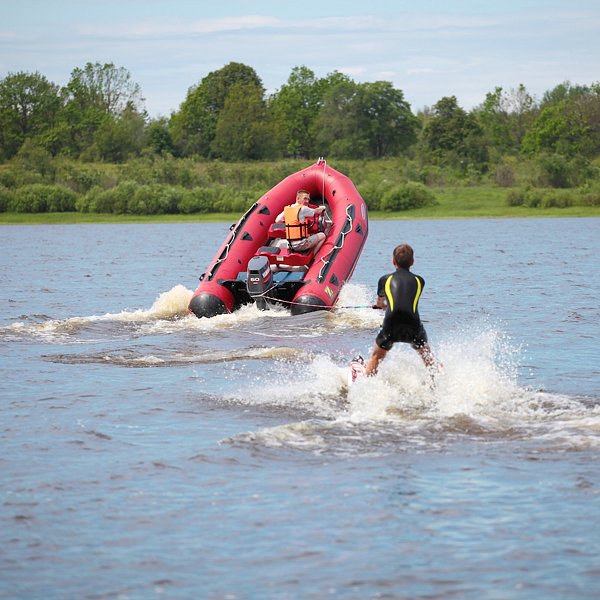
<point>426,54</point>
<point>420,71</point>
<point>7,36</point>
<point>176,27</point>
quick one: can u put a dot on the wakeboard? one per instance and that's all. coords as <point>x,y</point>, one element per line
<point>356,369</point>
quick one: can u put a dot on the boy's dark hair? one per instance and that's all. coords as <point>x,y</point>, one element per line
<point>404,256</point>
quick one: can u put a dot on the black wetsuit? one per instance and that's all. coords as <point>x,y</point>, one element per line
<point>402,290</point>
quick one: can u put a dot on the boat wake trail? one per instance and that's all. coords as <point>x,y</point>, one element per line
<point>166,357</point>
<point>169,314</point>
<point>169,306</point>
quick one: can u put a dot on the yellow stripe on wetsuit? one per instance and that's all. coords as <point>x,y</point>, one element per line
<point>390,298</point>
<point>388,293</point>
<point>417,295</point>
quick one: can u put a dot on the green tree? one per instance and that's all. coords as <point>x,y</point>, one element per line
<point>568,122</point>
<point>336,124</point>
<point>368,120</point>
<point>295,108</point>
<point>562,92</point>
<point>194,126</point>
<point>158,136</point>
<point>243,130</point>
<point>106,88</point>
<point>451,136</point>
<point>29,105</point>
<point>33,164</point>
<point>505,117</point>
<point>96,97</point>
<point>388,122</point>
<point>119,138</point>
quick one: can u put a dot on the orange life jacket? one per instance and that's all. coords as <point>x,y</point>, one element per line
<point>294,230</point>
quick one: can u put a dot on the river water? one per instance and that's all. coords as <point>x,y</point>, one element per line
<point>150,454</point>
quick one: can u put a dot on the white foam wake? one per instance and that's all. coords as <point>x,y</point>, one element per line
<point>477,394</point>
<point>168,305</point>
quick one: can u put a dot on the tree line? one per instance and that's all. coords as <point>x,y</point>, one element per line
<point>99,117</point>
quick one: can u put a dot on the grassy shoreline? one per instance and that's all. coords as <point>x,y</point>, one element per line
<point>481,202</point>
<point>7,219</point>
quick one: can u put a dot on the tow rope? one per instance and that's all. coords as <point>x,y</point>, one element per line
<point>334,307</point>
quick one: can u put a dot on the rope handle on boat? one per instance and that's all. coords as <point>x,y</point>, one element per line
<point>226,250</point>
<point>343,234</point>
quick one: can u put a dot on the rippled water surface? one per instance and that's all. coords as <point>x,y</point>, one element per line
<point>147,453</point>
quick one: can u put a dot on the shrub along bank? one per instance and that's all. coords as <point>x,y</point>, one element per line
<point>167,186</point>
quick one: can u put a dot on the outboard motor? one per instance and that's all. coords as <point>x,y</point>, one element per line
<point>259,280</point>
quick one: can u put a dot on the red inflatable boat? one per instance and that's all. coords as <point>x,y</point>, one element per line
<point>256,264</point>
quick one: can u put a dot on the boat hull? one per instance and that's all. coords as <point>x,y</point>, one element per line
<point>222,287</point>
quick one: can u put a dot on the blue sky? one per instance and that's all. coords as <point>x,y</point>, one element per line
<point>427,49</point>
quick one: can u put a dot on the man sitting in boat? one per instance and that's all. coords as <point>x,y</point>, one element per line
<point>296,222</point>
